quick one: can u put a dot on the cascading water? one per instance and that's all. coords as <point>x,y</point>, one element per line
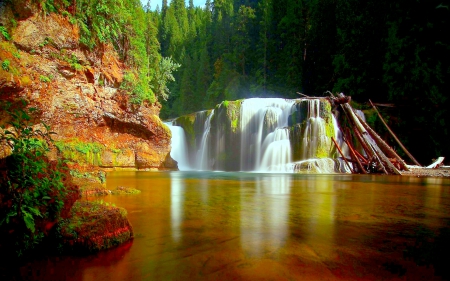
<point>275,135</point>
<point>203,159</point>
<point>277,151</point>
<point>179,146</point>
<point>259,117</point>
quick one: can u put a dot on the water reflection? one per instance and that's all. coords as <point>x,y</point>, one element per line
<point>177,189</point>
<point>264,215</point>
<point>247,226</point>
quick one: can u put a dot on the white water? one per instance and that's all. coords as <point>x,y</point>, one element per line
<point>276,151</point>
<point>259,117</point>
<point>265,144</point>
<point>179,147</point>
<point>203,159</point>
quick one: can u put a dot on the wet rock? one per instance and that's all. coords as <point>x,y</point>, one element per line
<point>123,190</point>
<point>94,226</point>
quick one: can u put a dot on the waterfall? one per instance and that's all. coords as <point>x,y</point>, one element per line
<point>277,151</point>
<point>259,117</point>
<point>266,135</point>
<point>203,160</point>
<point>179,147</point>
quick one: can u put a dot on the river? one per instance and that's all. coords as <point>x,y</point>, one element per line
<point>257,226</point>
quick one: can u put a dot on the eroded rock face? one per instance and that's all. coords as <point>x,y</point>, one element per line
<point>78,94</point>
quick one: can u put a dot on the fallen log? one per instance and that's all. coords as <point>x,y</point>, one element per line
<point>394,136</point>
<point>342,154</point>
<point>384,146</point>
<point>360,166</point>
<point>363,144</point>
<point>381,157</point>
<point>352,152</point>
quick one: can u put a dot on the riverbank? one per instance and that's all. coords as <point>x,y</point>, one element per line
<point>443,172</point>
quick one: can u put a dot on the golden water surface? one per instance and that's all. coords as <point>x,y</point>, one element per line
<point>249,226</point>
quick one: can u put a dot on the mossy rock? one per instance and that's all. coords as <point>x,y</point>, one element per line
<point>91,183</point>
<point>315,166</point>
<point>123,190</point>
<point>94,226</point>
<point>81,152</point>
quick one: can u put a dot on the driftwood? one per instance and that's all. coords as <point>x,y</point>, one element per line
<point>354,156</point>
<point>384,146</point>
<point>436,164</point>
<point>381,158</point>
<point>342,154</point>
<point>394,136</point>
<point>335,101</point>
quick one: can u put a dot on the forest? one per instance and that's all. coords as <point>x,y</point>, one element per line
<point>392,52</point>
<point>190,58</point>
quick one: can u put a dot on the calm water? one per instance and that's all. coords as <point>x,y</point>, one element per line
<point>245,226</point>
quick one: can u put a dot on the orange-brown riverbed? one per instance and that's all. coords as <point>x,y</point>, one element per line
<point>246,226</point>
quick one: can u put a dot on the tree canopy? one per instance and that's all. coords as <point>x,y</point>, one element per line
<point>388,51</point>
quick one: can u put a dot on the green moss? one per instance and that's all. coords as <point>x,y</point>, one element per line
<point>323,149</point>
<point>187,123</point>
<point>5,65</point>
<point>81,152</point>
<point>94,226</point>
<point>233,113</point>
<point>116,150</point>
<point>122,190</point>
<point>329,127</point>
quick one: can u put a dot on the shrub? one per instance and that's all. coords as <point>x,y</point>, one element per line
<point>32,191</point>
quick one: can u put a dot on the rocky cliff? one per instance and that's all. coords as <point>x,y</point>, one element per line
<point>78,92</point>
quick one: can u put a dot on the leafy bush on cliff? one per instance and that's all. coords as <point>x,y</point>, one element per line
<point>132,32</point>
<point>32,190</point>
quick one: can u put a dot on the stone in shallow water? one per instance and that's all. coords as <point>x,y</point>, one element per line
<point>94,226</point>
<point>123,190</point>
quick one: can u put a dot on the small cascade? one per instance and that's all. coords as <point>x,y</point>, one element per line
<point>203,160</point>
<point>315,137</point>
<point>277,151</point>
<point>179,147</point>
<point>259,117</point>
<point>266,135</point>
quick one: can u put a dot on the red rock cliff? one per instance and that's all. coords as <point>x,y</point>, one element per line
<point>78,93</point>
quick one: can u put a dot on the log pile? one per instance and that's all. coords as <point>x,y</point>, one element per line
<point>378,156</point>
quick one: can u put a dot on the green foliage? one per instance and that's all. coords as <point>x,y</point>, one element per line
<point>5,33</point>
<point>47,41</point>
<point>13,22</point>
<point>44,79</point>
<point>31,189</point>
<point>165,75</point>
<point>5,65</point>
